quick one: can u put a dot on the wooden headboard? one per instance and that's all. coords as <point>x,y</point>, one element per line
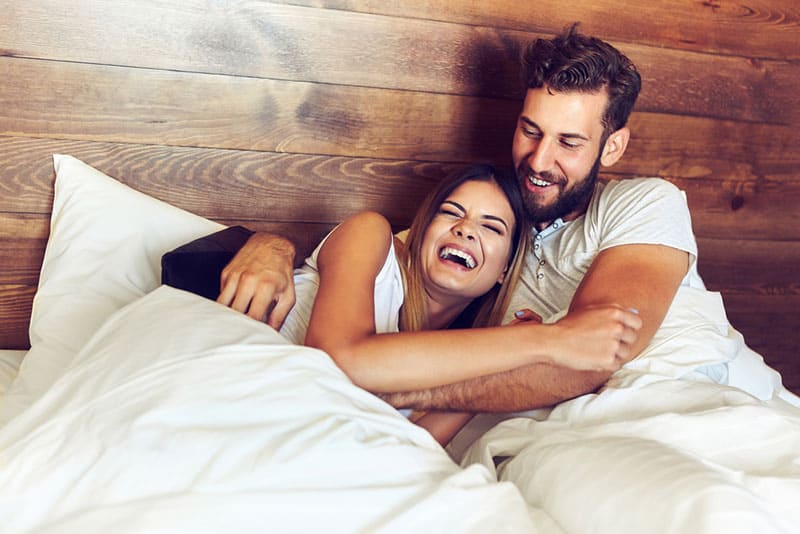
<point>288,116</point>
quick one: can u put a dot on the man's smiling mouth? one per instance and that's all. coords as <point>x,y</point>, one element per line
<point>538,182</point>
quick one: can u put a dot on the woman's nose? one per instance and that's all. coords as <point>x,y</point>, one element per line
<point>465,230</point>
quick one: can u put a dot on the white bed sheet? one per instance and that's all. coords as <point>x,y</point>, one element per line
<point>181,415</point>
<point>10,361</point>
<point>660,457</point>
<point>662,447</point>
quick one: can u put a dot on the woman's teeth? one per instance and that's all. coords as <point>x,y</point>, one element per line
<point>458,256</point>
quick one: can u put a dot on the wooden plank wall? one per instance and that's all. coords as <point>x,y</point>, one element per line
<point>290,115</point>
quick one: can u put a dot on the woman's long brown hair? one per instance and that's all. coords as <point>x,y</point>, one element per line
<point>488,309</point>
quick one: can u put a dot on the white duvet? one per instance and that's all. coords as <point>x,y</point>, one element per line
<point>673,456</point>
<point>662,447</point>
<point>180,415</point>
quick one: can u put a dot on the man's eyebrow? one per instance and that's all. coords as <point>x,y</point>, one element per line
<point>489,217</point>
<point>529,122</point>
<point>532,124</point>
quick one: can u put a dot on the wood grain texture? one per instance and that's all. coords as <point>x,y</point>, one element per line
<point>761,28</point>
<point>103,103</point>
<point>15,312</point>
<point>320,189</point>
<point>286,42</point>
<point>226,184</point>
<point>750,267</point>
<point>769,324</point>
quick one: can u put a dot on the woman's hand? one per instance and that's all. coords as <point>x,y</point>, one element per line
<point>259,279</point>
<point>597,338</point>
<point>525,316</point>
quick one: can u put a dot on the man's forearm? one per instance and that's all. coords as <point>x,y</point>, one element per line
<point>524,388</point>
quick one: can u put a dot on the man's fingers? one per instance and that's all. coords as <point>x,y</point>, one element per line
<point>228,285</point>
<point>632,319</point>
<point>282,307</point>
<point>261,302</point>
<point>245,290</point>
<point>629,335</point>
<point>623,353</point>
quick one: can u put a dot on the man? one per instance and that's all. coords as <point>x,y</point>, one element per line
<point>626,242</point>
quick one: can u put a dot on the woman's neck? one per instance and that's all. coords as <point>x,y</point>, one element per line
<point>441,315</point>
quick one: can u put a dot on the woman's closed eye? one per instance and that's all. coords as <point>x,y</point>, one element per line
<point>496,229</point>
<point>449,212</point>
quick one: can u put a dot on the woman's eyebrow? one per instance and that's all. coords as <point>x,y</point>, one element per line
<point>496,218</point>
<point>490,217</point>
<point>456,204</point>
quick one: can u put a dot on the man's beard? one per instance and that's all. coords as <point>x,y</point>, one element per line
<point>566,203</point>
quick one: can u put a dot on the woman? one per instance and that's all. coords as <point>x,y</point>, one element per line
<point>381,308</point>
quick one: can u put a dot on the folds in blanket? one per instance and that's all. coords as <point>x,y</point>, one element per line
<point>696,341</point>
<point>670,456</point>
<point>177,398</point>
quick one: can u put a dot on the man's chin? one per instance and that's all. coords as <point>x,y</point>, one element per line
<point>544,213</point>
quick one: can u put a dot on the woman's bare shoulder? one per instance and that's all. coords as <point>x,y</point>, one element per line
<point>367,233</point>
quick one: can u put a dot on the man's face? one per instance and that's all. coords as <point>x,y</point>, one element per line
<point>556,152</point>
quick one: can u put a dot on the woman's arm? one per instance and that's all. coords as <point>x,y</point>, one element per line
<point>443,425</point>
<point>343,325</point>
<point>645,276</point>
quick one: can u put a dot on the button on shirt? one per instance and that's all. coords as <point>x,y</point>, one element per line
<point>538,248</point>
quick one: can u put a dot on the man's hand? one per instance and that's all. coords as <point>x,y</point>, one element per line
<point>596,338</point>
<point>259,279</point>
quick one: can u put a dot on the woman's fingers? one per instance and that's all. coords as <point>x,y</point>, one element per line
<point>524,316</point>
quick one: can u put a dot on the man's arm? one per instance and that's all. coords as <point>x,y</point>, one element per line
<point>524,388</point>
<point>259,279</point>
<point>645,277</point>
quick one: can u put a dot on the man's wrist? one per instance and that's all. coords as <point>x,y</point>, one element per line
<point>275,245</point>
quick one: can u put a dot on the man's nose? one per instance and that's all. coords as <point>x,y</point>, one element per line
<point>542,158</point>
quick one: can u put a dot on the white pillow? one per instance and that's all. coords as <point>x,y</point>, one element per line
<point>104,251</point>
<point>10,361</point>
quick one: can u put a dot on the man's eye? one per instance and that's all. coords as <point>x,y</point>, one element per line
<point>569,144</point>
<point>531,133</point>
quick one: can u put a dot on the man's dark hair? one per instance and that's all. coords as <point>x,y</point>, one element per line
<point>574,62</point>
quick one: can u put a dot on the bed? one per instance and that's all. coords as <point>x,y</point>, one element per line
<point>130,406</point>
<point>144,407</point>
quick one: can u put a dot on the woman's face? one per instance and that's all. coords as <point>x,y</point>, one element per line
<point>466,248</point>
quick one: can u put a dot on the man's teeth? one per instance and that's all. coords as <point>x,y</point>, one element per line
<point>453,254</point>
<point>538,182</point>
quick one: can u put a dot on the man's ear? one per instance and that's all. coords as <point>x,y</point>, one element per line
<point>615,146</point>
